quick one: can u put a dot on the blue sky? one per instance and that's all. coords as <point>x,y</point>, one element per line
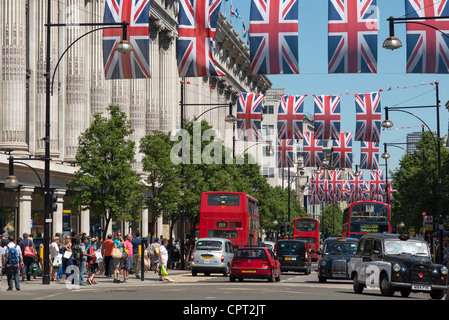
<point>314,78</point>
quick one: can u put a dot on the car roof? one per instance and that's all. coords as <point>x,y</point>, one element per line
<point>252,248</point>
<point>335,239</point>
<point>214,239</point>
<point>390,236</point>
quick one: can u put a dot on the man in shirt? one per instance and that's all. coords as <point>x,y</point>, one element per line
<point>108,248</point>
<point>136,256</point>
<point>12,267</point>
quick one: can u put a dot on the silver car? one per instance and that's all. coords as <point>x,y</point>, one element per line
<point>212,255</point>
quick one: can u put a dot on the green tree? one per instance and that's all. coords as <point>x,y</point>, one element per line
<point>416,183</point>
<point>106,184</point>
<point>331,220</point>
<point>164,180</point>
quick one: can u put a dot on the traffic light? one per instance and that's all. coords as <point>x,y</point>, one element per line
<point>53,202</point>
<point>282,231</point>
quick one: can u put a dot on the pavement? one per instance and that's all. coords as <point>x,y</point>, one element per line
<point>102,282</point>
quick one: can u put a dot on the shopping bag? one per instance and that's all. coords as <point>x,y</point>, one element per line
<point>57,261</point>
<point>163,271</point>
<point>98,256</point>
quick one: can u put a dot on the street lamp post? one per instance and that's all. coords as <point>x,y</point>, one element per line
<point>123,46</point>
<point>388,124</point>
<point>229,119</point>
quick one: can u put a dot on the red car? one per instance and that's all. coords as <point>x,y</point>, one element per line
<point>255,263</point>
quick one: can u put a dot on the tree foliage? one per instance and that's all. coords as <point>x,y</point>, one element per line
<point>416,183</point>
<point>106,184</point>
<point>209,167</point>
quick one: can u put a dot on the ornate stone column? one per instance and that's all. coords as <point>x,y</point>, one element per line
<point>13,104</point>
<point>57,216</point>
<point>25,209</point>
<point>76,96</point>
<point>152,108</point>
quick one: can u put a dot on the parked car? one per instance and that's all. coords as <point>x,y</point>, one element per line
<point>333,260</point>
<point>393,263</point>
<point>294,255</point>
<point>211,255</point>
<point>255,263</point>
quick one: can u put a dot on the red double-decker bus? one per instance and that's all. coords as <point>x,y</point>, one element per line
<point>231,215</point>
<point>307,229</point>
<point>364,217</point>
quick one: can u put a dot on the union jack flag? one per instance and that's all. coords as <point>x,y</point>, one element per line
<point>342,151</point>
<point>135,64</point>
<point>290,117</point>
<point>377,185</point>
<point>273,37</point>
<point>368,118</point>
<point>346,191</point>
<point>249,116</point>
<point>285,153</point>
<point>196,32</point>
<point>336,186</point>
<point>327,117</point>
<point>352,39</point>
<point>313,150</point>
<point>325,191</point>
<point>358,186</point>
<point>369,155</point>
<point>427,48</point>
<point>314,187</point>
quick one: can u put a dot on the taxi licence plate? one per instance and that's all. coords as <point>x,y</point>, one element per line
<point>207,257</point>
<point>421,287</point>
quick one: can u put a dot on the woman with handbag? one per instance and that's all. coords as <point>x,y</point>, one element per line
<point>118,257</point>
<point>163,260</point>
<point>54,252</point>
<point>67,256</point>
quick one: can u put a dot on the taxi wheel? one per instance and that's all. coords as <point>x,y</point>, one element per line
<point>437,294</point>
<point>384,286</point>
<point>358,287</point>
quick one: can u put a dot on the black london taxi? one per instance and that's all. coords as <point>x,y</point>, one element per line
<point>334,259</point>
<point>294,255</point>
<point>393,263</point>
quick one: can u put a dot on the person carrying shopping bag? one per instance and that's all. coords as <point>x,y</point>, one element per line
<point>163,260</point>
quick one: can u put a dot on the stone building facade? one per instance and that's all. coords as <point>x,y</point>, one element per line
<point>80,90</point>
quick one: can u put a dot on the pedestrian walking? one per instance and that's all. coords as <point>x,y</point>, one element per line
<point>84,255</point>
<point>54,252</point>
<point>92,259</point>
<point>154,255</point>
<point>136,242</point>
<point>107,250</point>
<point>29,253</point>
<point>12,261</point>
<point>163,260</point>
<point>119,261</point>
<point>67,256</point>
<point>129,262</point>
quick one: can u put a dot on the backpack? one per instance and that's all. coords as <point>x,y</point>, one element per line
<point>13,257</point>
<point>77,252</point>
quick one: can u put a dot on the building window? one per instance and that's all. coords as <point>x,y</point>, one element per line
<point>268,109</point>
<point>268,172</point>
<point>268,130</point>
